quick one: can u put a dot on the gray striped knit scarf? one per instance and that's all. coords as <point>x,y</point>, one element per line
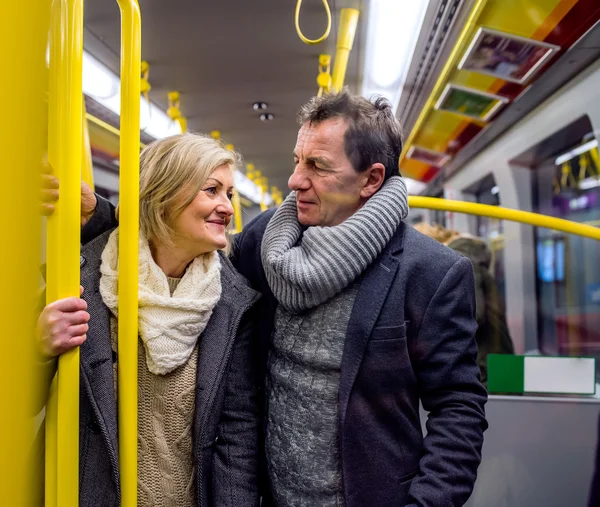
<point>307,266</point>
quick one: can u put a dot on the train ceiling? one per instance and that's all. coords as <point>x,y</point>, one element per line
<point>223,56</point>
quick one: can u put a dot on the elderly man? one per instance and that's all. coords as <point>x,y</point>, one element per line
<point>363,317</point>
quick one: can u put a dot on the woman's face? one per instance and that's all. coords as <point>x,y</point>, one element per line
<point>200,228</point>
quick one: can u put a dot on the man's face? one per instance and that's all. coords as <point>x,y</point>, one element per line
<point>328,189</point>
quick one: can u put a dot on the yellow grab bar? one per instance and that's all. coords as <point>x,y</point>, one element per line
<point>129,191</point>
<point>524,217</point>
<point>346,32</point>
<point>237,211</point>
<point>87,172</point>
<point>64,155</point>
<point>107,126</point>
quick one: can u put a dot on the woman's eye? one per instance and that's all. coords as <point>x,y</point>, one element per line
<point>211,190</point>
<point>230,196</point>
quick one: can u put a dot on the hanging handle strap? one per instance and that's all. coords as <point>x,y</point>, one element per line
<point>299,31</point>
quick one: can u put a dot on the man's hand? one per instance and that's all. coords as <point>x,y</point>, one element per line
<point>49,195</point>
<point>88,203</point>
<point>49,190</point>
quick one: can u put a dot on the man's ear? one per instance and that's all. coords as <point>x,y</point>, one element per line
<point>373,180</point>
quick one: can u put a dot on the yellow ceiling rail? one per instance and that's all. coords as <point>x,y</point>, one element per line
<point>299,31</point>
<point>107,126</point>
<point>345,40</point>
<point>129,192</point>
<point>513,215</point>
<point>63,239</point>
<point>461,44</point>
<point>87,171</point>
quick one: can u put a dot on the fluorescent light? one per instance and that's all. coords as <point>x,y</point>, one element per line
<point>102,85</point>
<point>249,189</point>
<point>588,183</point>
<point>98,81</point>
<point>156,123</point>
<point>565,157</point>
<point>414,187</point>
<point>495,190</point>
<point>392,33</point>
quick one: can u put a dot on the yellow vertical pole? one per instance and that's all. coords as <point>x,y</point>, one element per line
<point>237,211</point>
<point>87,172</point>
<point>346,32</point>
<point>129,192</point>
<point>51,421</point>
<point>23,143</point>
<point>64,155</point>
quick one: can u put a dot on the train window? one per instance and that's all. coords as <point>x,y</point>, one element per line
<point>567,185</point>
<point>486,191</point>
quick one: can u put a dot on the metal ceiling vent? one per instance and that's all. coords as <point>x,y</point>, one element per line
<point>436,40</point>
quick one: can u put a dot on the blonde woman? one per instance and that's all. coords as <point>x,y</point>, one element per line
<point>198,421</point>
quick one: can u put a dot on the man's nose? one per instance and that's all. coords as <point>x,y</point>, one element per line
<point>298,180</point>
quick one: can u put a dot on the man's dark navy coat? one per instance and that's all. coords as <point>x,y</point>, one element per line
<point>410,338</point>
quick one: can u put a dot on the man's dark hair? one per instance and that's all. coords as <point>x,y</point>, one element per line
<point>374,135</point>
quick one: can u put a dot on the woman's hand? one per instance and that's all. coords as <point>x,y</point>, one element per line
<point>62,325</point>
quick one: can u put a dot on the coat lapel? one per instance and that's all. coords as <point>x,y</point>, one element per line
<point>217,339</point>
<point>372,294</point>
<point>96,359</point>
<point>215,346</point>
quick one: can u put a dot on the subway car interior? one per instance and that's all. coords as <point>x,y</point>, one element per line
<point>499,105</point>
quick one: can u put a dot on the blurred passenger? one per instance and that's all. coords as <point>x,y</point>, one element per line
<point>362,318</point>
<point>198,426</point>
<point>493,336</point>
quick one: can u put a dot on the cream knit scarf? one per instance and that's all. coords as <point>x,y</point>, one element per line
<point>169,326</point>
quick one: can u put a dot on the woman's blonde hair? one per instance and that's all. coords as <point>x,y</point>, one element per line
<point>172,172</point>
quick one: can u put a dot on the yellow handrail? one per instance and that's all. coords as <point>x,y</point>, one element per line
<point>524,217</point>
<point>129,192</point>
<point>107,126</point>
<point>64,155</point>
<point>346,32</point>
<point>87,172</point>
<point>237,211</point>
<point>299,31</point>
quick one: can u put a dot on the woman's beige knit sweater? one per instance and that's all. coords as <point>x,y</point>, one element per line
<point>166,412</point>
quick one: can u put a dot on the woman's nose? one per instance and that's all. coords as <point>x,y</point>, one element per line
<point>225,208</point>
